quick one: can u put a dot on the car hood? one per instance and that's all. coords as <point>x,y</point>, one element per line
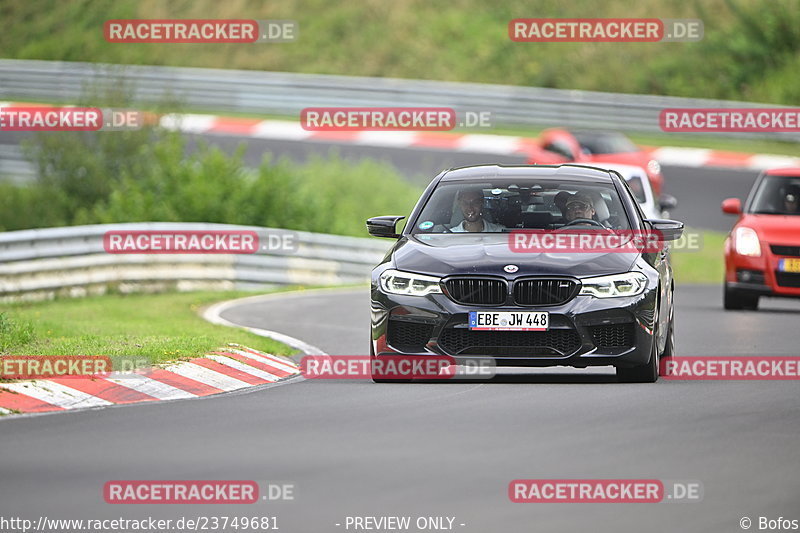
<point>775,229</point>
<point>442,255</point>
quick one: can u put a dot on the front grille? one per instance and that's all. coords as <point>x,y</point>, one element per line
<point>544,291</point>
<point>787,279</point>
<point>477,291</point>
<point>792,251</point>
<point>513,343</point>
<point>408,336</point>
<point>613,335</point>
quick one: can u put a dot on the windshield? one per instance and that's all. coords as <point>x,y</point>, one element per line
<point>495,206</point>
<point>604,143</point>
<point>777,195</point>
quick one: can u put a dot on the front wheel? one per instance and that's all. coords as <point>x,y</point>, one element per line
<point>371,366</point>
<point>669,347</point>
<point>735,300</point>
<point>646,373</point>
<point>377,379</point>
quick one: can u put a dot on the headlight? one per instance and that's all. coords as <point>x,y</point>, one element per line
<point>653,166</point>
<point>397,282</point>
<point>628,284</point>
<point>746,241</point>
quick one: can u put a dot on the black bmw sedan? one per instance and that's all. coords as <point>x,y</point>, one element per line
<point>464,281</point>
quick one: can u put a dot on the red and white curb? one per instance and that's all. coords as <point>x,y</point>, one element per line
<point>458,142</point>
<point>230,369</point>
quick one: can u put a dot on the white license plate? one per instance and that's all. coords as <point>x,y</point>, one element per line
<point>509,320</point>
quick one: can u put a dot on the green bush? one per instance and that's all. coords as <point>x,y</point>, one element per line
<point>148,176</point>
<point>330,195</point>
<point>325,195</point>
<point>743,56</point>
<point>34,206</point>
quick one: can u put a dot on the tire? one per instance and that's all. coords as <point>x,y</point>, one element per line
<point>735,300</point>
<point>751,302</point>
<point>372,358</point>
<point>379,380</point>
<point>649,372</point>
<point>646,373</point>
<point>669,347</point>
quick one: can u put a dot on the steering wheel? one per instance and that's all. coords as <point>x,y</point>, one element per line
<point>582,221</point>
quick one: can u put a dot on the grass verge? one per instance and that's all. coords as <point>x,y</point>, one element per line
<point>705,265</point>
<point>156,327</point>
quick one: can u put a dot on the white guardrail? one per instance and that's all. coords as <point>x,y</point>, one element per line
<point>249,91</point>
<point>40,264</point>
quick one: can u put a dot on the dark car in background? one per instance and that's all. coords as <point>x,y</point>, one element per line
<point>452,284</point>
<point>559,145</point>
<point>762,251</point>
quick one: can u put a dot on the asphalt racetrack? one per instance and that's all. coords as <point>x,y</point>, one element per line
<point>354,448</point>
<point>451,449</point>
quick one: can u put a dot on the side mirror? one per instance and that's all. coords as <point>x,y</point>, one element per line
<point>384,226</point>
<point>732,206</point>
<point>669,230</point>
<point>667,202</point>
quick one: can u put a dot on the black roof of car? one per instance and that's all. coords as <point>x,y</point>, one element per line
<point>564,172</point>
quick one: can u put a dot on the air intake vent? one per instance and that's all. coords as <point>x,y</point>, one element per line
<point>613,335</point>
<point>408,336</point>
<point>510,343</point>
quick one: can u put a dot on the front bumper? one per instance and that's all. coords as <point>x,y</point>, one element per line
<point>585,331</point>
<point>771,281</point>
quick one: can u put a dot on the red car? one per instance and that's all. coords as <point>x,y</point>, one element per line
<point>556,146</point>
<point>762,252</point>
